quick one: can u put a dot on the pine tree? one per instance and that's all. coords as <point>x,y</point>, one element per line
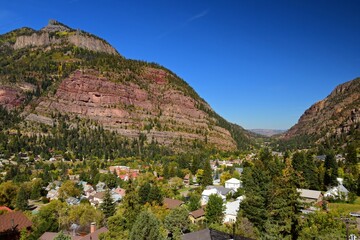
<point>107,206</point>
<point>207,178</point>
<point>331,170</point>
<point>22,199</point>
<point>144,192</point>
<point>156,196</point>
<point>131,205</point>
<point>146,227</point>
<point>283,206</point>
<point>256,181</point>
<point>214,211</point>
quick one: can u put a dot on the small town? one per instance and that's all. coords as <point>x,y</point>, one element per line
<point>180,120</point>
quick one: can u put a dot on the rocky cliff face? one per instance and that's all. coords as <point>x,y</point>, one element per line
<point>337,114</point>
<point>48,36</point>
<point>10,97</point>
<point>162,113</point>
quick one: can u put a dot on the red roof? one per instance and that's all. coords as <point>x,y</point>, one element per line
<point>14,219</point>
<point>172,203</point>
<point>4,208</point>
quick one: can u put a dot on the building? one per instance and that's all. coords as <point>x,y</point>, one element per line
<point>213,234</point>
<point>197,216</point>
<point>338,192</point>
<point>310,196</point>
<point>172,203</point>
<point>231,210</point>
<point>12,223</point>
<point>93,235</point>
<point>233,183</point>
<point>206,194</point>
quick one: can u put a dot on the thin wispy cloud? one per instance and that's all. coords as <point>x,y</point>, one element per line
<point>184,24</point>
<point>197,16</point>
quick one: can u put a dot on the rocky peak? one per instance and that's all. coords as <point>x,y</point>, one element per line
<point>56,33</point>
<point>55,26</point>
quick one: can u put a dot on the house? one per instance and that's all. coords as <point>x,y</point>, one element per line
<point>338,192</point>
<point>231,210</point>
<point>321,157</point>
<point>75,177</point>
<point>310,196</point>
<point>52,194</point>
<point>233,183</point>
<point>53,185</point>
<point>187,180</point>
<point>100,187</point>
<point>5,209</point>
<point>172,203</point>
<point>98,198</point>
<point>116,197</point>
<point>206,234</point>
<point>72,201</point>
<point>93,235</point>
<point>119,191</point>
<point>12,223</point>
<point>206,194</point>
<point>197,216</point>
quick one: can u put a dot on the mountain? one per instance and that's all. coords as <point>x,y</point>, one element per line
<point>59,71</point>
<point>335,119</point>
<point>267,132</point>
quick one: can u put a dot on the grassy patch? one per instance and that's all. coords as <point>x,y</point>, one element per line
<point>345,208</point>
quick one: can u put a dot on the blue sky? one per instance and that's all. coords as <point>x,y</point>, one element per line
<point>258,63</point>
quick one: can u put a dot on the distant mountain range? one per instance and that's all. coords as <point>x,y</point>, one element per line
<point>267,132</point>
<point>60,70</point>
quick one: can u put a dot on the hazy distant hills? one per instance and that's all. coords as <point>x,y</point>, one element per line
<point>267,132</point>
<point>60,70</point>
<point>333,120</point>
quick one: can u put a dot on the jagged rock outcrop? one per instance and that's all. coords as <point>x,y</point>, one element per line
<point>47,36</point>
<point>337,114</point>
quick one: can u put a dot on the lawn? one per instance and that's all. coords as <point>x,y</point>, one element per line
<point>345,208</point>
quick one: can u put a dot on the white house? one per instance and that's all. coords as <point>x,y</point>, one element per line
<point>206,194</point>
<point>231,209</point>
<point>233,183</point>
<point>339,192</point>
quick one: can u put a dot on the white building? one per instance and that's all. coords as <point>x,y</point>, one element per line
<point>231,210</point>
<point>206,194</point>
<point>233,183</point>
<point>339,192</point>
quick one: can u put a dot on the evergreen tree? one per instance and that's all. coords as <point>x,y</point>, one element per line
<point>146,227</point>
<point>207,178</point>
<point>351,155</point>
<point>283,206</point>
<point>166,171</point>
<point>144,192</point>
<point>214,211</point>
<point>22,199</point>
<point>156,196</point>
<point>194,202</point>
<point>331,170</point>
<point>256,182</point>
<point>107,206</point>
<point>131,205</point>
